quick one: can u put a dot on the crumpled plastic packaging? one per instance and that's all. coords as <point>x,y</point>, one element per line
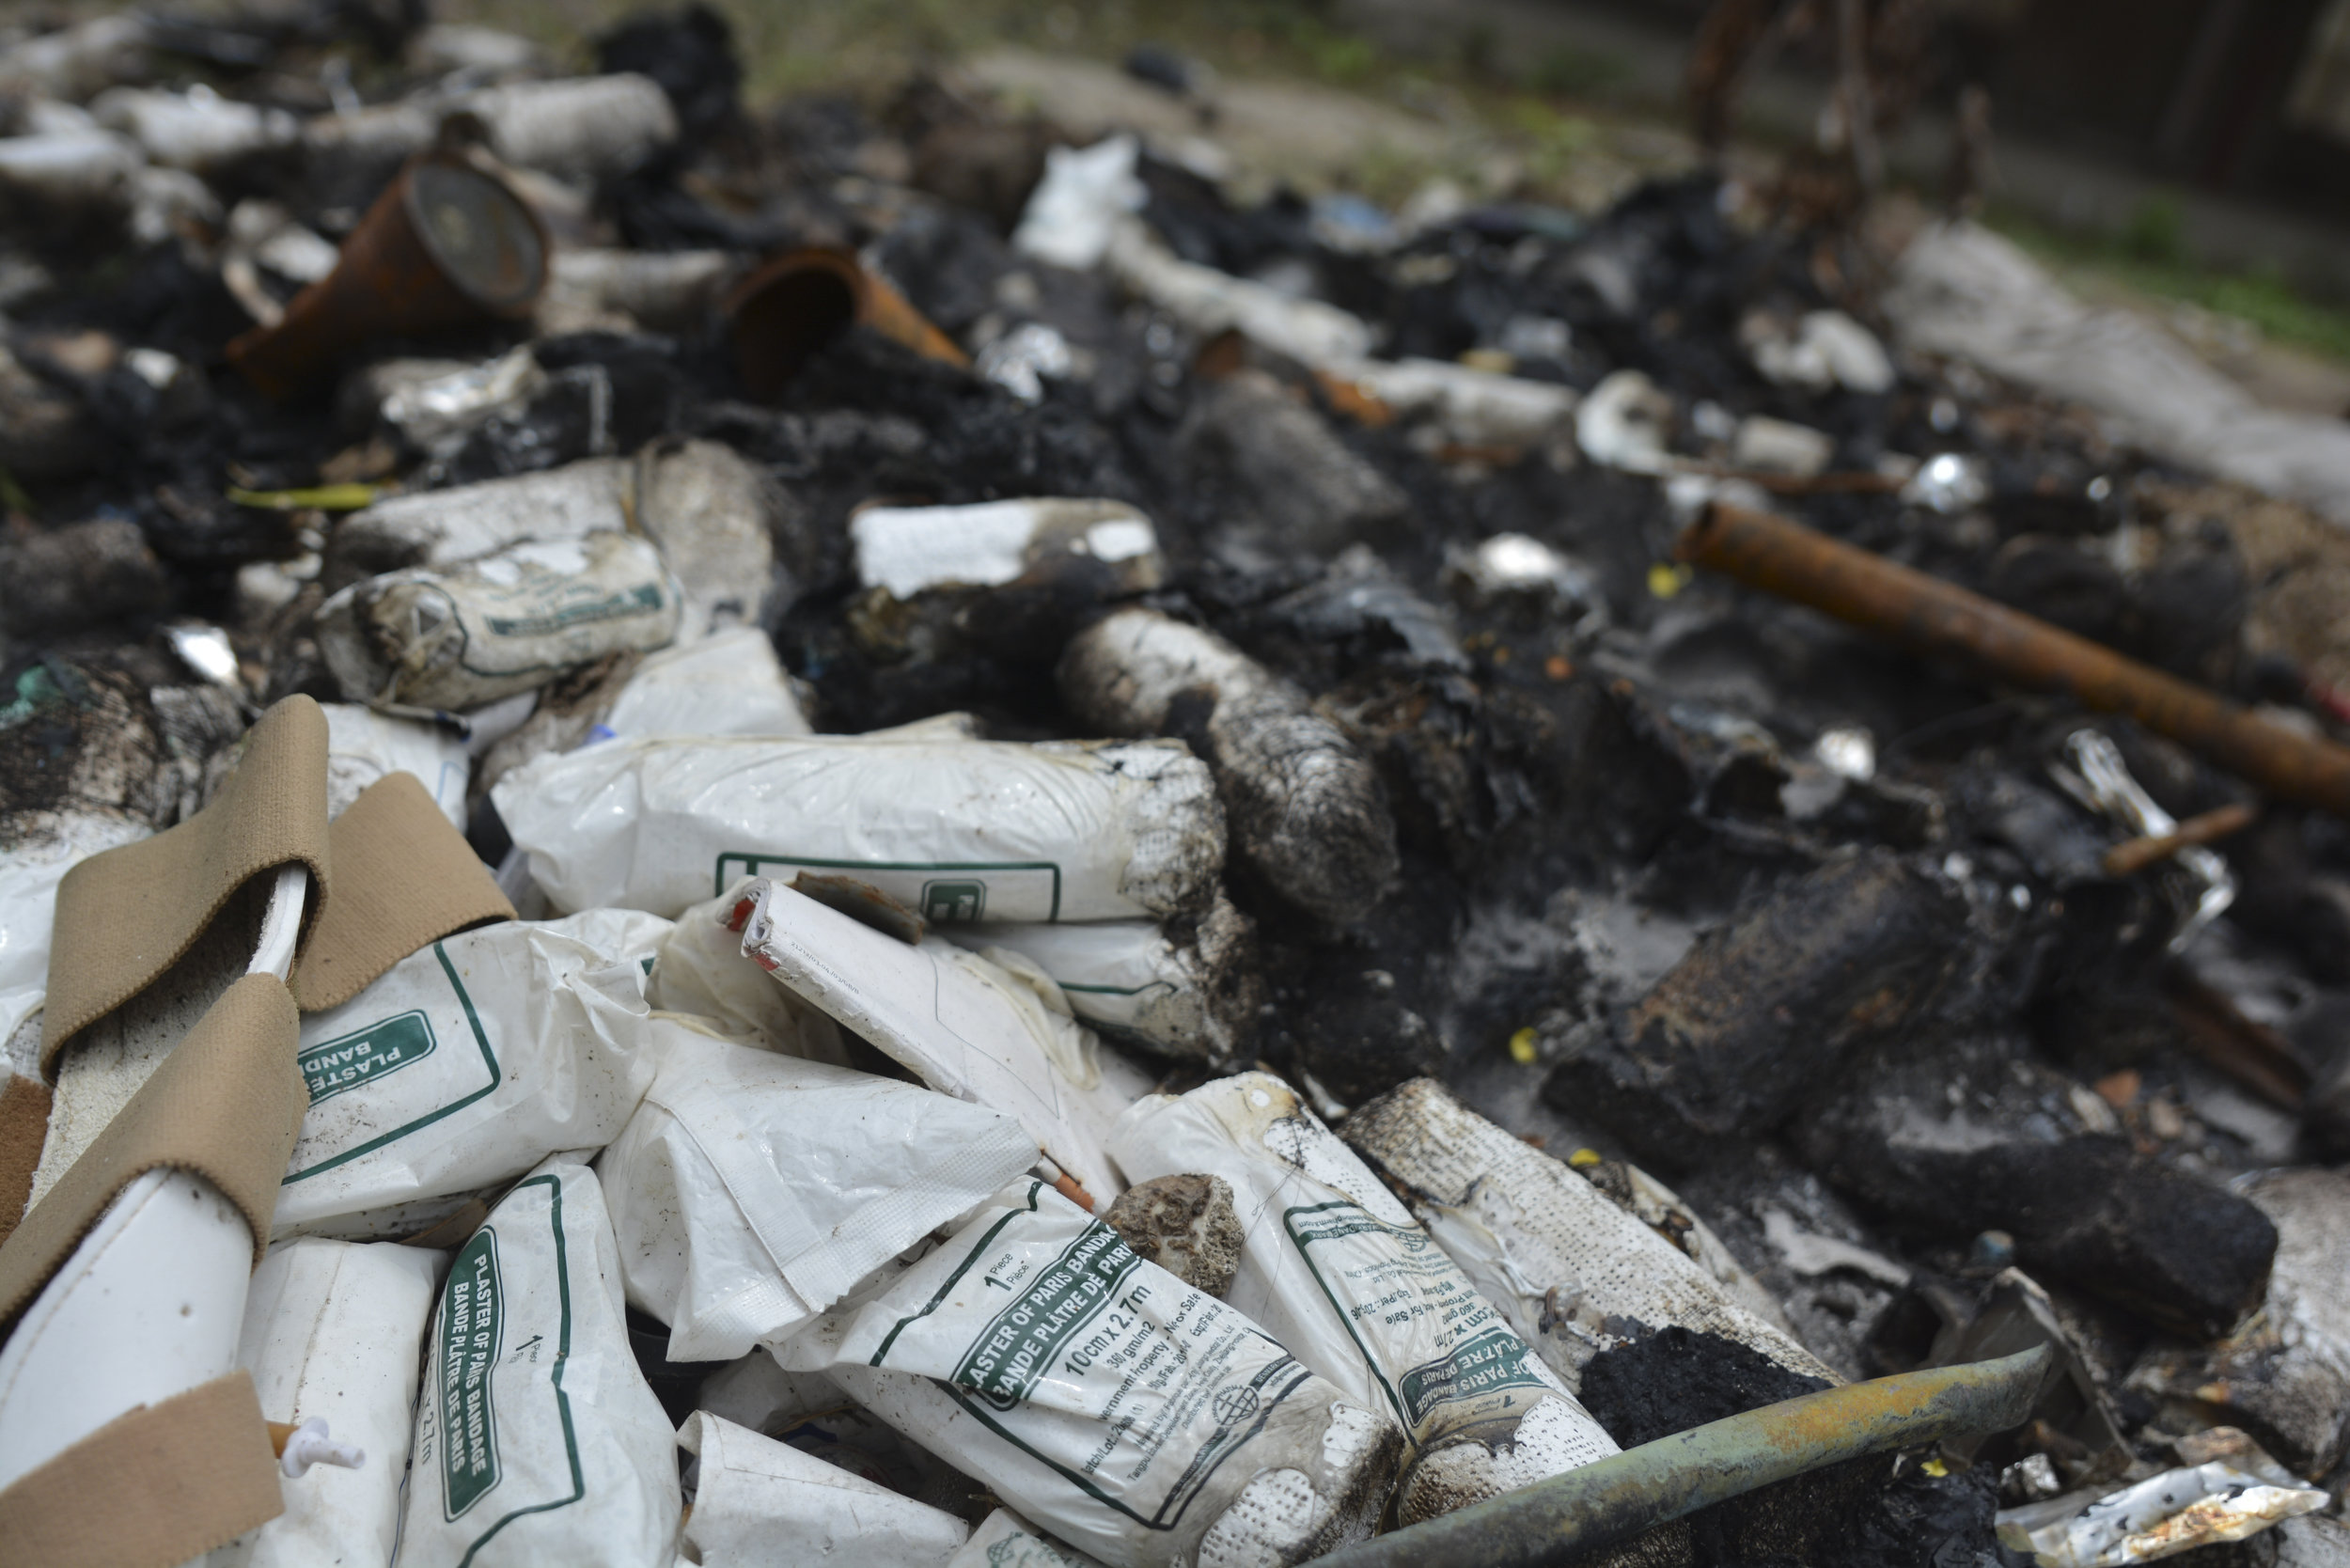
<point>962,830</point>
<point>758,1503</point>
<point>751,1191</point>
<point>536,1439</point>
<point>362,745</point>
<point>1136,1418</point>
<point>975,1029</point>
<point>335,1329</point>
<point>2161,1516</point>
<point>1005,1540</point>
<point>1338,1270</point>
<point>464,1065</point>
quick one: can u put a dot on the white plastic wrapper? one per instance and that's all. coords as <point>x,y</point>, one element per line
<point>1561,1261</point>
<point>1340,1271</point>
<point>442,527</point>
<point>536,1438</point>
<point>362,745</point>
<point>701,970</point>
<point>1005,1540</point>
<point>728,683</point>
<point>907,551</point>
<point>1130,979</point>
<point>506,624</point>
<point>962,830</point>
<point>758,1503</point>
<point>1136,1418</point>
<point>1074,209</point>
<point>1208,302</point>
<point>467,1064</point>
<point>751,1191</point>
<point>964,1025</point>
<point>1473,407</point>
<point>335,1329</point>
<point>29,873</point>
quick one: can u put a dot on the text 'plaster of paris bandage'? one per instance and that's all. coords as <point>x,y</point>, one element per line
<point>334,1330</point>
<point>465,636</point>
<point>1569,1270</point>
<point>1134,1417</point>
<point>967,1026</point>
<point>538,1440</point>
<point>464,1065</point>
<point>1341,1272</point>
<point>758,1503</point>
<point>751,1191</point>
<point>962,830</point>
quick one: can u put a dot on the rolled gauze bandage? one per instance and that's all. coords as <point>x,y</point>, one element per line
<point>1302,804</point>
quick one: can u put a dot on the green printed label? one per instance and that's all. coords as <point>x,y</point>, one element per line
<point>947,892</point>
<point>346,1061</point>
<point>1492,1362</point>
<point>472,1308</point>
<point>615,606</point>
<point>1023,1341</point>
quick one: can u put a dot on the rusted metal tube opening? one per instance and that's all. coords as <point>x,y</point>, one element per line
<point>785,313</point>
<point>1930,616</point>
<point>1560,1520</point>
<point>446,244</point>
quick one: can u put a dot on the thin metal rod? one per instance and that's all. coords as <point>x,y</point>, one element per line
<point>1557,1520</point>
<point>1938,619</point>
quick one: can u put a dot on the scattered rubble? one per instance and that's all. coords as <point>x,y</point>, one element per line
<point>957,816</point>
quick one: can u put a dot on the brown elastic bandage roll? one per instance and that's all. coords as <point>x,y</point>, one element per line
<point>226,1103</point>
<point>151,1488</point>
<point>403,877</point>
<point>126,915</point>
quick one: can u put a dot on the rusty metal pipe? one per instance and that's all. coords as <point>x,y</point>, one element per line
<point>1560,1520</point>
<point>1930,616</point>
<point>446,244</point>
<point>782,314</point>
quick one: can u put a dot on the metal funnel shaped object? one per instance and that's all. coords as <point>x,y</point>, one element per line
<point>783,313</point>
<point>447,244</point>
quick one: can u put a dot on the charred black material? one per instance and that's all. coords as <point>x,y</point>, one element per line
<point>1765,1008</point>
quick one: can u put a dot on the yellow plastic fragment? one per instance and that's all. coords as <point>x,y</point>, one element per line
<point>326,497</point>
<point>1522,1047</point>
<point>1664,579</point>
<point>1583,1159</point>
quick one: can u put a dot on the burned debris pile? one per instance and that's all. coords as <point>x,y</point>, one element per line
<point>976,847</point>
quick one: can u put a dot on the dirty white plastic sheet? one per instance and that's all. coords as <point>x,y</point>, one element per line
<point>758,1503</point>
<point>1005,1540</point>
<point>906,551</point>
<point>751,1191</point>
<point>362,745</point>
<point>1130,978</point>
<point>335,1329</point>
<point>1338,1270</point>
<point>2198,1505</point>
<point>962,830</point>
<point>464,1065</point>
<point>728,684</point>
<point>1134,1417</point>
<point>965,1027</point>
<point>30,870</point>
<point>536,1439</point>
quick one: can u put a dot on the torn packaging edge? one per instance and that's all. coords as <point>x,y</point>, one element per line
<point>1556,1521</point>
<point>1334,1267</point>
<point>1304,804</point>
<point>960,829</point>
<point>937,1011</point>
<point>1938,618</point>
<point>1559,1260</point>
